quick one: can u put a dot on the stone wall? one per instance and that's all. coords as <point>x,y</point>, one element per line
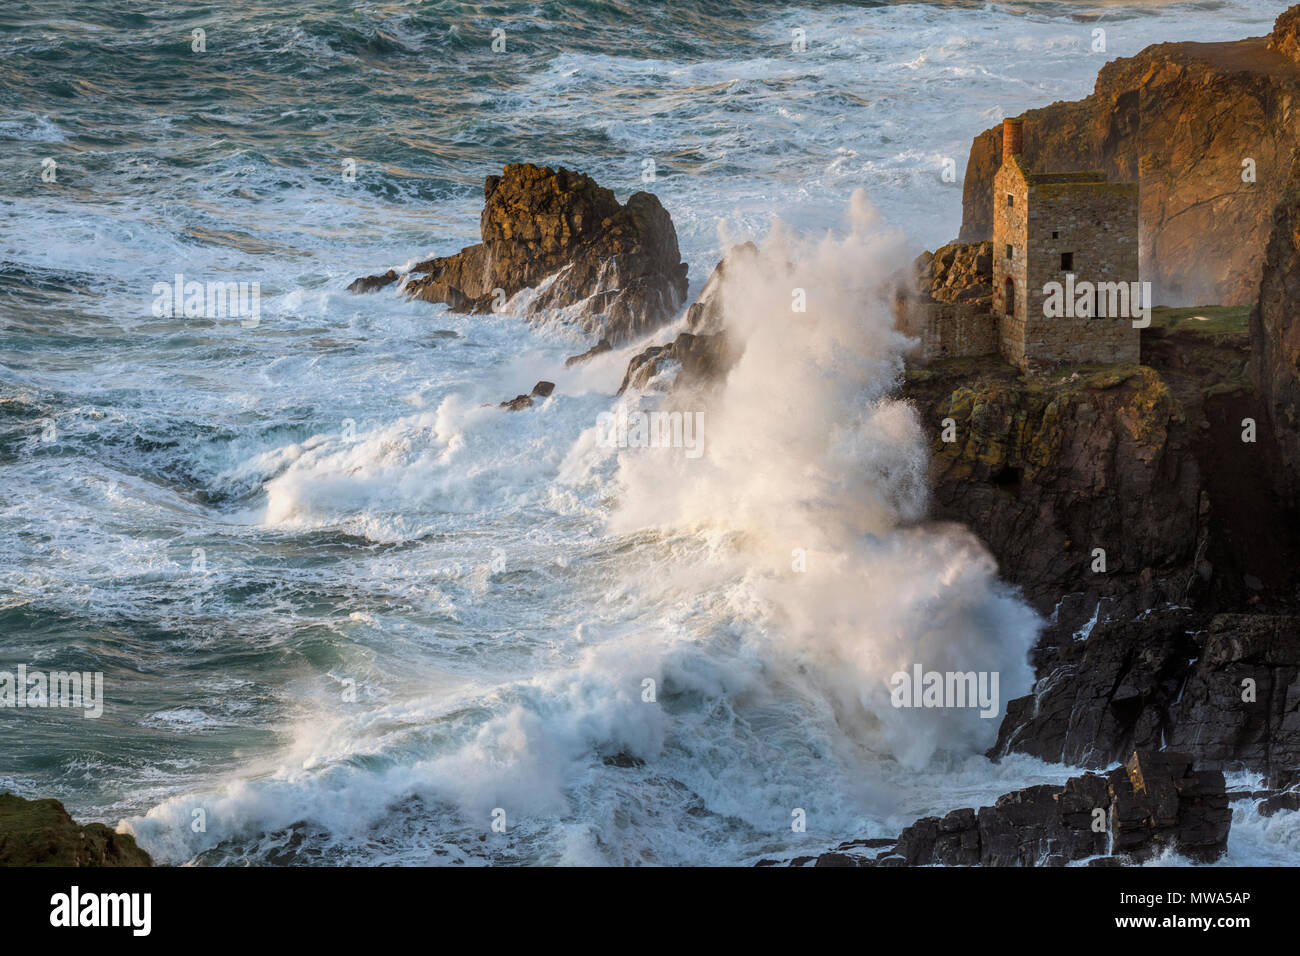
<point>1096,222</point>
<point>950,329</point>
<point>1010,229</point>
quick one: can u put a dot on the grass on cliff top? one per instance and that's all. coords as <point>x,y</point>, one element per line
<point>1202,319</point>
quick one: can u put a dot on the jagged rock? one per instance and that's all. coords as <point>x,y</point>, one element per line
<point>1138,683</point>
<point>41,833</point>
<point>703,359</point>
<point>600,348</point>
<point>1178,118</point>
<point>1104,696</point>
<point>705,353</point>
<point>1154,802</point>
<point>371,283</point>
<point>1285,38</point>
<point>1158,802</point>
<point>558,232</point>
<point>957,272</point>
<point>1288,800</point>
<point>519,402</point>
<point>1213,721</point>
<point>707,313</point>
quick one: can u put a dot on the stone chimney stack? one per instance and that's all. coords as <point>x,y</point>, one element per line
<point>1013,138</point>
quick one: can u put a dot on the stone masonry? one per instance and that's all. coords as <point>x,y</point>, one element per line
<point>1049,227</point>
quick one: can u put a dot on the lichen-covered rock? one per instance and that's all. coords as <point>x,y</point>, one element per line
<point>957,272</point>
<point>1179,119</point>
<point>40,833</point>
<point>616,267</point>
<point>1047,468</point>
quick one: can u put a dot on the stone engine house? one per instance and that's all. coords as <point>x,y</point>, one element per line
<point>1076,229</point>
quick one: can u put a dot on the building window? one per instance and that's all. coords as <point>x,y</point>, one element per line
<point>1009,296</point>
<point>1011,200</point>
<point>1010,251</point>
<point>1056,235</point>
<point>1067,261</point>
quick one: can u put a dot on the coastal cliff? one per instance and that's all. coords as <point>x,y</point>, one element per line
<point>1182,120</point>
<point>41,833</point>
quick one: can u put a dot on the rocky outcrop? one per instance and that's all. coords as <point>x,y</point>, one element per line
<point>957,272</point>
<point>1155,802</point>
<point>1275,332</point>
<point>705,353</point>
<point>40,833</point>
<point>707,312</point>
<point>1047,468</point>
<point>702,359</point>
<point>600,348</point>
<point>1225,695</point>
<point>520,402</point>
<point>615,267</point>
<point>1180,119</point>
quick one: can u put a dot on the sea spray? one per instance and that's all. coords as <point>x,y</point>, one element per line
<point>811,454</point>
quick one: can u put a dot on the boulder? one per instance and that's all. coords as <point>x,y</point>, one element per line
<point>520,402</point>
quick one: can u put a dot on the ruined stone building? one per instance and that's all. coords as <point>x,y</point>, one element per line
<point>1076,229</point>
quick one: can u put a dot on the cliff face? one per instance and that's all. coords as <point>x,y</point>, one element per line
<point>1046,469</point>
<point>1178,118</point>
<point>1275,333</point>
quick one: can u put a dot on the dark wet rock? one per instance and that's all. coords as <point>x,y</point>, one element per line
<point>1154,802</point>
<point>707,312</point>
<point>41,833</point>
<point>1214,722</point>
<point>372,283</point>
<point>1288,800</point>
<point>600,348</point>
<point>519,402</point>
<point>1154,680</point>
<point>1106,695</point>
<point>559,233</point>
<point>623,760</point>
<point>703,358</point>
<point>1045,468</point>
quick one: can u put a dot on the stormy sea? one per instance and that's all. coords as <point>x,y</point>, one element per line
<point>347,609</point>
